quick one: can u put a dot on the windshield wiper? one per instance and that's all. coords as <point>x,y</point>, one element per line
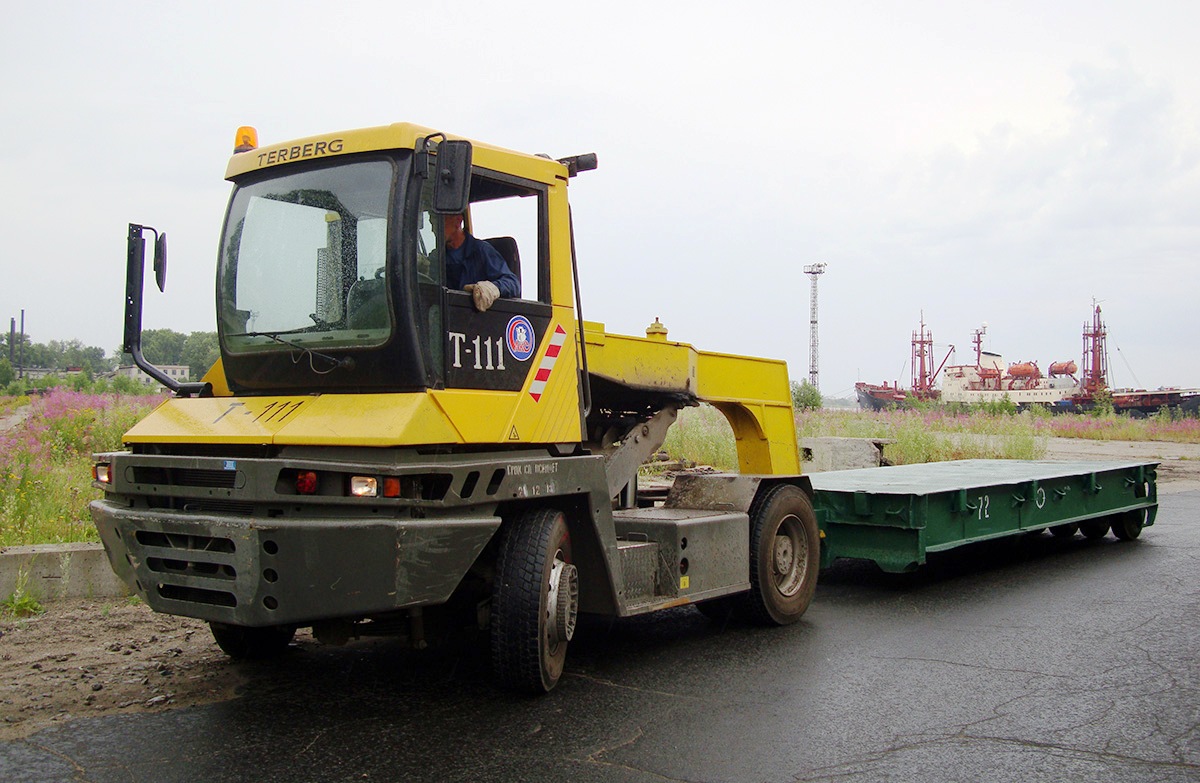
<point>345,362</point>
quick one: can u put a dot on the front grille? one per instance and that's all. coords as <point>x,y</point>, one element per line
<point>184,477</point>
<point>172,558</point>
<point>185,542</point>
<point>197,595</point>
<point>191,568</point>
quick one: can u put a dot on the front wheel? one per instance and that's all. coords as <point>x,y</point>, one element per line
<point>535,601</point>
<point>256,644</point>
<point>785,552</point>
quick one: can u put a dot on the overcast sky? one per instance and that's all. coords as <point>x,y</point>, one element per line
<point>978,162</point>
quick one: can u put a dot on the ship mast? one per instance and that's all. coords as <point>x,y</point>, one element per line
<point>922,359</point>
<point>1095,354</point>
<point>977,338</point>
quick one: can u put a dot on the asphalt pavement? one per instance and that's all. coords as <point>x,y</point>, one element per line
<point>1033,659</point>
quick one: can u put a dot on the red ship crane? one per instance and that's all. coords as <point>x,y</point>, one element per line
<point>924,376</point>
<point>1095,355</point>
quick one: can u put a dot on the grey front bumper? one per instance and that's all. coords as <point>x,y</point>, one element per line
<point>257,572</point>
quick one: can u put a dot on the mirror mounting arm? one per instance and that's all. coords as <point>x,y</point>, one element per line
<point>135,273</point>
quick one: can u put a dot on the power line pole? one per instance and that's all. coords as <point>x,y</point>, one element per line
<point>814,271</point>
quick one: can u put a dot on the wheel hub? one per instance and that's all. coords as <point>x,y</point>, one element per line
<point>790,556</point>
<point>562,602</point>
<point>785,555</point>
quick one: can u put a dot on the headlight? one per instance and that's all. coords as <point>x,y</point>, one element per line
<point>364,486</point>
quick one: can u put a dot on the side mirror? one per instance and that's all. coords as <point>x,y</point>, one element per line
<point>135,272</point>
<point>160,261</point>
<point>452,172</point>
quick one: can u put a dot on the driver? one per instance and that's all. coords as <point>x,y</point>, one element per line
<point>474,266</point>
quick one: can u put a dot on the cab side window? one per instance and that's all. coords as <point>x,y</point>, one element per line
<point>511,219</point>
<point>491,348</point>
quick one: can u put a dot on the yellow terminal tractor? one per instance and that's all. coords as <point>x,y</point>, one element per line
<point>375,454</point>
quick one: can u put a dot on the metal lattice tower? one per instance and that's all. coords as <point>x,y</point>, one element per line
<point>815,271</point>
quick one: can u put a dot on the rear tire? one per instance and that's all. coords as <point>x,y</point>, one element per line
<point>535,601</point>
<point>252,644</point>
<point>1065,531</point>
<point>785,554</point>
<point>1127,525</point>
<point>1094,530</point>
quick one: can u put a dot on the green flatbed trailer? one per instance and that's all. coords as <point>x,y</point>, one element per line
<point>896,515</point>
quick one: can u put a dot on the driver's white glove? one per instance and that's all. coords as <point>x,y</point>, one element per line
<point>485,293</point>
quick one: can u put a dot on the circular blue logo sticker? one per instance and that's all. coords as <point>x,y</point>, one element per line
<point>520,338</point>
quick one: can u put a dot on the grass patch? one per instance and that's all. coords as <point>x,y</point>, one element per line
<point>45,464</point>
<point>20,603</point>
<point>932,434</point>
<point>702,435</point>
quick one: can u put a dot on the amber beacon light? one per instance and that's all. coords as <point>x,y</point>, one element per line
<point>246,139</point>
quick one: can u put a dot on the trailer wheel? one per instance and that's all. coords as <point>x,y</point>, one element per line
<point>1127,525</point>
<point>785,553</point>
<point>535,601</point>
<point>1094,529</point>
<point>1065,531</point>
<point>254,644</point>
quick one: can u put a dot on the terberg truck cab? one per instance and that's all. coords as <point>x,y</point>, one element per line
<point>372,455</point>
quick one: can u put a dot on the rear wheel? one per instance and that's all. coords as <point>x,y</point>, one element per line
<point>784,556</point>
<point>1094,529</point>
<point>238,641</point>
<point>535,601</point>
<point>1128,525</point>
<point>1065,531</point>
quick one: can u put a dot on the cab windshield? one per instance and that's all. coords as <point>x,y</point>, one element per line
<point>303,262</point>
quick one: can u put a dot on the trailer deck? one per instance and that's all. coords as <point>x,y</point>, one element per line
<point>896,515</point>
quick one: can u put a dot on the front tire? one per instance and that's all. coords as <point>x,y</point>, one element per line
<point>252,644</point>
<point>535,601</point>
<point>785,553</point>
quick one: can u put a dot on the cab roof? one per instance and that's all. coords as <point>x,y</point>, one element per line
<point>397,136</point>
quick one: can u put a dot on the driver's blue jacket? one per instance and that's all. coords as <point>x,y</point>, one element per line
<point>476,260</point>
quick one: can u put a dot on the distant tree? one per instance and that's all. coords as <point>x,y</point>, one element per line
<point>7,373</point>
<point>56,354</point>
<point>125,385</point>
<point>163,346</point>
<point>18,341</point>
<point>73,353</point>
<point>805,396</point>
<point>200,352</point>
<point>1001,407</point>
<point>35,355</point>
<point>1102,402</point>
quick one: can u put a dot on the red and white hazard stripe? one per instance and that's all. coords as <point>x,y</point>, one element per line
<point>543,371</point>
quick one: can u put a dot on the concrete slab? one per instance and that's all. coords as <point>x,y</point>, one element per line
<point>50,572</point>
<point>820,455</point>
